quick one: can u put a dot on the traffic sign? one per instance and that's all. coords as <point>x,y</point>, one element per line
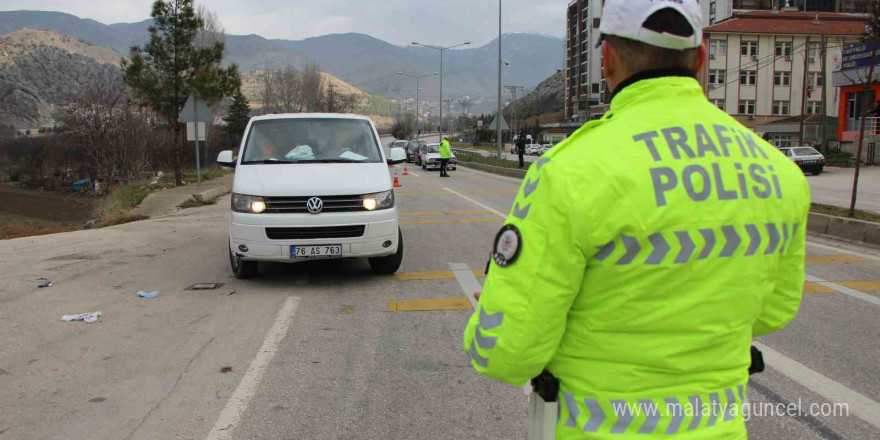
<point>494,126</point>
<point>195,110</point>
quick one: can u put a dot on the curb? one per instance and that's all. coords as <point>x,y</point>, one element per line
<point>213,193</point>
<point>501,171</point>
<point>848,229</point>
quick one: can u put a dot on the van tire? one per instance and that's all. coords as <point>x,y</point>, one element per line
<point>242,270</point>
<point>390,264</point>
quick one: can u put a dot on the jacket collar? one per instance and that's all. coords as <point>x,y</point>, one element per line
<point>655,84</point>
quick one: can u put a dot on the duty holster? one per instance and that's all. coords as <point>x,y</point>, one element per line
<point>543,407</point>
<point>757,365</point>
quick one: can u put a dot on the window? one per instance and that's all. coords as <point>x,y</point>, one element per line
<point>781,141</point>
<point>747,107</point>
<point>783,49</point>
<point>718,103</point>
<point>780,108</point>
<point>815,52</point>
<point>712,8</point>
<point>782,79</point>
<point>749,48</point>
<point>815,80</point>
<point>747,77</point>
<point>717,48</point>
<point>311,141</point>
<point>595,87</point>
<point>717,77</point>
<point>814,107</point>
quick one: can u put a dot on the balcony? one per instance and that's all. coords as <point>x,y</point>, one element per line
<point>853,125</point>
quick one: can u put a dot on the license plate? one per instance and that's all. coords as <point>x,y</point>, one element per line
<point>325,251</point>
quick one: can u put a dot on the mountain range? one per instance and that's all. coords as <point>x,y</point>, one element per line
<point>361,60</point>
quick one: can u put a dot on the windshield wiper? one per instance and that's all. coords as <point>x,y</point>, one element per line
<point>269,162</point>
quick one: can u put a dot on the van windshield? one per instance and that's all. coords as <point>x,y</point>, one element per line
<point>279,141</point>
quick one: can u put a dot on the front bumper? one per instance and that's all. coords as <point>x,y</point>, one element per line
<point>249,230</point>
<point>436,166</point>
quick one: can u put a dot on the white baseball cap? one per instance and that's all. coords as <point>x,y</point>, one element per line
<point>626,19</point>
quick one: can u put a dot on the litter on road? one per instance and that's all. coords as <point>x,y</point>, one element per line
<point>46,283</point>
<point>87,317</point>
<point>143,294</point>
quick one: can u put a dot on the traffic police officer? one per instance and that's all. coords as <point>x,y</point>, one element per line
<point>644,253</point>
<point>445,154</point>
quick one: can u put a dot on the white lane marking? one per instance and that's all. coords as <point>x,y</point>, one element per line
<point>493,176</point>
<point>844,290</point>
<point>863,407</point>
<point>238,403</point>
<point>414,175</point>
<point>837,249</point>
<point>498,213</point>
<point>468,282</point>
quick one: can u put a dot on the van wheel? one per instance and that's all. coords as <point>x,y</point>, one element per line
<point>390,264</point>
<point>242,270</point>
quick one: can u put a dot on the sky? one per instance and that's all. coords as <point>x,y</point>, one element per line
<point>437,22</point>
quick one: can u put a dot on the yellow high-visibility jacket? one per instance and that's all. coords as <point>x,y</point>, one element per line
<point>639,260</point>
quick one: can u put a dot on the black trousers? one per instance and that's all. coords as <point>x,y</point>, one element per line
<point>443,164</point>
<point>521,160</point>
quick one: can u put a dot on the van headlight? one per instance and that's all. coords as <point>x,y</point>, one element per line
<point>382,200</point>
<point>248,204</point>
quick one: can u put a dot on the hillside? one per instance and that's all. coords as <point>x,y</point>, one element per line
<point>548,97</point>
<point>41,69</point>
<point>360,60</point>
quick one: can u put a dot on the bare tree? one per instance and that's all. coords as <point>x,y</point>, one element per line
<point>212,30</point>
<point>312,89</point>
<point>289,89</point>
<point>870,38</point>
<point>116,136</point>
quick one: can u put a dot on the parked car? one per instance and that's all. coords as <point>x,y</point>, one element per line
<point>545,148</point>
<point>312,186</point>
<point>533,149</point>
<point>431,158</point>
<point>807,158</point>
<point>399,144</point>
<point>412,150</point>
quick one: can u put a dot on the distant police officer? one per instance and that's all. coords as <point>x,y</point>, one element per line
<point>445,155</point>
<point>521,147</point>
<point>644,253</point>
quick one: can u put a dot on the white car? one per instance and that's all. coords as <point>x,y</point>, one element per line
<point>545,148</point>
<point>312,186</point>
<point>431,161</point>
<point>533,149</point>
<point>807,158</point>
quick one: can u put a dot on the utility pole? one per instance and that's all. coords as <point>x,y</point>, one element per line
<point>804,92</point>
<point>824,112</point>
<point>417,78</point>
<point>441,50</point>
<point>513,90</point>
<point>498,116</point>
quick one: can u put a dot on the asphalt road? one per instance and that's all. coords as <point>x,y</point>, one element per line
<point>312,351</point>
<point>834,187</point>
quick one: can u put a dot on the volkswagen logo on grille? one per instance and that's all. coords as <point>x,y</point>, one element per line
<point>315,205</point>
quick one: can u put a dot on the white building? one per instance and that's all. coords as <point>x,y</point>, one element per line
<point>758,61</point>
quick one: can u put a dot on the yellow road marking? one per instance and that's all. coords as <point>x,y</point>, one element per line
<point>451,221</point>
<point>435,275</point>
<point>438,214</point>
<point>812,288</point>
<point>429,305</point>
<point>837,259</point>
<point>864,286</point>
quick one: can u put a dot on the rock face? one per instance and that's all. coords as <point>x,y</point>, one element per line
<point>40,69</point>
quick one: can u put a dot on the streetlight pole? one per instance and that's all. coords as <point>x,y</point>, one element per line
<point>498,116</point>
<point>417,78</point>
<point>441,50</point>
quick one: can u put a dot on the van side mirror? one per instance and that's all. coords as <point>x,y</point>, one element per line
<point>226,159</point>
<point>398,155</point>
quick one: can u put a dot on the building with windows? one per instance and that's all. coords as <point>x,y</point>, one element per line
<point>723,9</point>
<point>767,66</point>
<point>851,72</point>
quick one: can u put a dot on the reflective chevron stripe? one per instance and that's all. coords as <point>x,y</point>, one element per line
<point>617,416</point>
<point>487,322</point>
<point>746,240</point>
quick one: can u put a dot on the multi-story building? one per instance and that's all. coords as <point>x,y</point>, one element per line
<point>723,9</point>
<point>767,66</point>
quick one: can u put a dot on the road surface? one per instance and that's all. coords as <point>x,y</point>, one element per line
<point>834,187</point>
<point>324,350</point>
